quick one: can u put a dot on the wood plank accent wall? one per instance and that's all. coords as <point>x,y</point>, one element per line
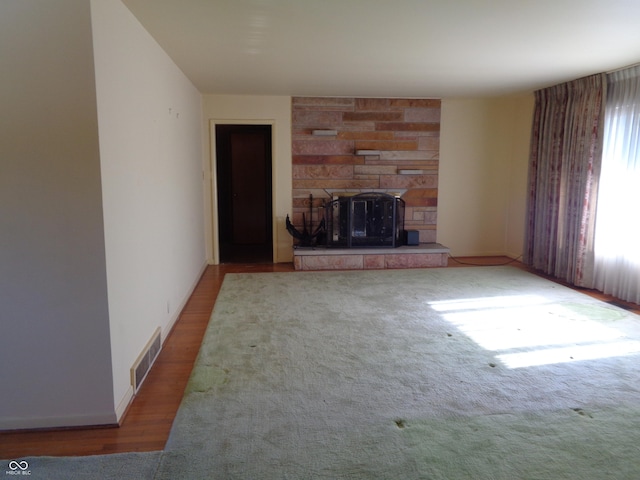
<point>405,132</point>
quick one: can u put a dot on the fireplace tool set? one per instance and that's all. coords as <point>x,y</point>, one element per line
<point>308,237</point>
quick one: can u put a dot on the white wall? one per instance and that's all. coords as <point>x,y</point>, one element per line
<point>520,113</point>
<point>152,175</point>
<point>484,148</point>
<point>274,110</point>
<point>55,355</point>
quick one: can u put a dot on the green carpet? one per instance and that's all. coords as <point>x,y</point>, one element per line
<point>460,373</point>
<point>483,373</point>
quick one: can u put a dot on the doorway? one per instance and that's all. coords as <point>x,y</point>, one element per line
<point>243,169</point>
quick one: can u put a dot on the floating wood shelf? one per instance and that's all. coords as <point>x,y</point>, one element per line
<point>324,133</point>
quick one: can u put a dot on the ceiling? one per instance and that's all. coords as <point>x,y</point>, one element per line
<point>391,48</point>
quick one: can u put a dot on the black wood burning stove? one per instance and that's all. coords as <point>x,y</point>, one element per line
<point>365,220</point>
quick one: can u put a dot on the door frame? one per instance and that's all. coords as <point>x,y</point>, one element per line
<point>213,183</point>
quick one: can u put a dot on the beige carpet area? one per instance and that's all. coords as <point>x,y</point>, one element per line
<point>465,373</point>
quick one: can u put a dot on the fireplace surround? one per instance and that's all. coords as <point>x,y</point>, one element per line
<point>362,145</point>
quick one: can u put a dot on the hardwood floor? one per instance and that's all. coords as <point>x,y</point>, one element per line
<point>148,420</point>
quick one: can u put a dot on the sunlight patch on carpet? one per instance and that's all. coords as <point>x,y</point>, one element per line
<point>532,330</point>
<point>570,354</point>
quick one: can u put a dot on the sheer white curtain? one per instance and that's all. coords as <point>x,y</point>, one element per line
<point>617,230</point>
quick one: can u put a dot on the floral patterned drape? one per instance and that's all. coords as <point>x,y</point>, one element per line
<point>566,148</point>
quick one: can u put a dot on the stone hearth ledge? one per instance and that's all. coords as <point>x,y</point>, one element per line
<point>322,258</point>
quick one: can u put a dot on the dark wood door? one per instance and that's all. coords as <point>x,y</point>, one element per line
<point>243,167</point>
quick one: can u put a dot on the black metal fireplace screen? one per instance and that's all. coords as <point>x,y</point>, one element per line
<point>365,220</point>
